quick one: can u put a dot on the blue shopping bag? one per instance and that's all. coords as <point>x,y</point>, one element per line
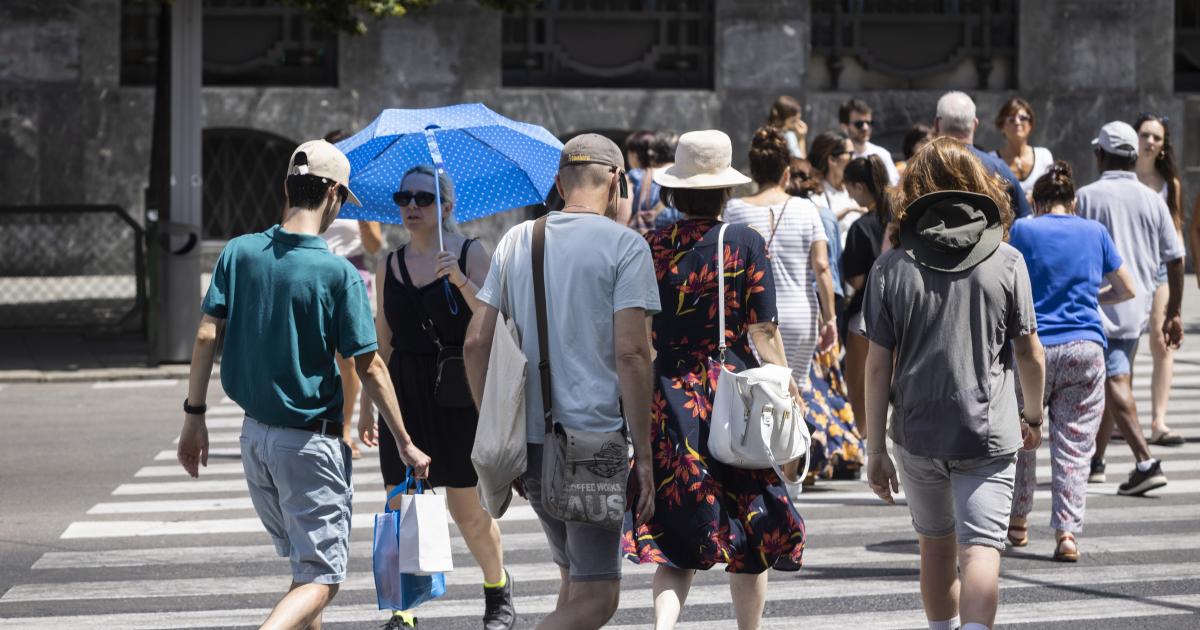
<point>395,590</point>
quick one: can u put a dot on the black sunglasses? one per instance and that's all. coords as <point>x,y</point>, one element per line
<point>862,124</point>
<point>405,197</point>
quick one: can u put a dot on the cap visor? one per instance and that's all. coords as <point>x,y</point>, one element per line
<point>351,197</point>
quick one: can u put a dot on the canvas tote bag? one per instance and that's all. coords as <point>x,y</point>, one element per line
<point>499,451</point>
<point>755,423</point>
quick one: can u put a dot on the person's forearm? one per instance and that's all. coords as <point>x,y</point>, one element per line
<point>1175,285</point>
<point>1031,366</point>
<point>769,343</point>
<point>378,385</point>
<point>635,375</point>
<point>476,352</point>
<point>372,236</point>
<point>200,372</point>
<point>877,385</point>
<point>470,292</point>
<point>826,295</point>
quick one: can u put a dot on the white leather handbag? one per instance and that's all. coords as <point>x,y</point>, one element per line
<point>755,423</point>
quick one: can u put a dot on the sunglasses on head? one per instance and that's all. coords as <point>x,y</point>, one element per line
<point>862,124</point>
<point>405,197</point>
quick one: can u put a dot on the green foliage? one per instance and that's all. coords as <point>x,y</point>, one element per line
<point>347,15</point>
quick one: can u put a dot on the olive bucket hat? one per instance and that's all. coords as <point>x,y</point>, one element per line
<point>951,230</point>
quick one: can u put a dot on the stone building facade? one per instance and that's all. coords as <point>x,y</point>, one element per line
<point>74,130</point>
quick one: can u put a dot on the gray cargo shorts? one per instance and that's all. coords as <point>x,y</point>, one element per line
<point>970,496</point>
<point>301,489</point>
<point>589,553</point>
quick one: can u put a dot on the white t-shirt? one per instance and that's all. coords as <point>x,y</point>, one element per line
<point>886,156</point>
<point>594,268</point>
<point>344,238</point>
<point>838,200</point>
<point>1042,161</point>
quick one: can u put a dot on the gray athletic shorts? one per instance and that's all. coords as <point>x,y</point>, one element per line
<point>589,553</point>
<point>970,496</point>
<point>300,486</point>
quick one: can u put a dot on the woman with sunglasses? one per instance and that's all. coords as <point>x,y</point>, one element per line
<point>426,297</point>
<point>1028,163</point>
<point>1156,168</point>
<point>830,153</point>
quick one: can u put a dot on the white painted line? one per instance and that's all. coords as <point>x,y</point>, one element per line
<point>1170,466</point>
<point>363,500</point>
<point>361,466</point>
<point>195,486</point>
<point>235,453</point>
<point>632,599</point>
<point>221,437</point>
<point>225,400</point>
<point>162,382</point>
<point>1184,486</point>
<point>818,529</point>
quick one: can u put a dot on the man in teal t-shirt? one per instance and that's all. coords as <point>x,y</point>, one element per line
<point>287,304</point>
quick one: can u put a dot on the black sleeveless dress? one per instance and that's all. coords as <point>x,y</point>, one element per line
<point>446,435</point>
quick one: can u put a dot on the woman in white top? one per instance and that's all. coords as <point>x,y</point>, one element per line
<point>797,248</point>
<point>830,153</point>
<point>354,240</point>
<point>1156,168</point>
<point>1027,162</point>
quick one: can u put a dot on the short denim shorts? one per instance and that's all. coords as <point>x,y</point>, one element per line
<point>301,489</point>
<point>1118,356</point>
<point>970,497</point>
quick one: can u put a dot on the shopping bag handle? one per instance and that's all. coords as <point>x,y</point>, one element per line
<point>403,488</point>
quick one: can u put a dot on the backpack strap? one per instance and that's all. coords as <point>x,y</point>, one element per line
<point>539,296</point>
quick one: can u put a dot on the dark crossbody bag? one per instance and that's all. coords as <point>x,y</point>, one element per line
<point>450,390</point>
<point>584,473</point>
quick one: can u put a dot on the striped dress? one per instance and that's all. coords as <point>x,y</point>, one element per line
<point>795,228</point>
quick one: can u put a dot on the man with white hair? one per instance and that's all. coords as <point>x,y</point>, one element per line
<point>956,119</point>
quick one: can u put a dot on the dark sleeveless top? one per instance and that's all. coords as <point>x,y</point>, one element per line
<point>447,310</point>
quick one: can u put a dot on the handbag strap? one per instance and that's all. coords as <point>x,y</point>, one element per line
<point>721,291</point>
<point>538,251</point>
<point>775,224</point>
<point>426,321</point>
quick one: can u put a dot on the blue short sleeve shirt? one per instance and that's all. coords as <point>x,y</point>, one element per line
<point>289,305</point>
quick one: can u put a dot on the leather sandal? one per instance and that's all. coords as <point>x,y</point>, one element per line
<point>1167,438</point>
<point>1018,536</point>
<point>1062,555</point>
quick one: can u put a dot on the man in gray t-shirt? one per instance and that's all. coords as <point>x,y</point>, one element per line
<point>1141,227</point>
<point>944,314</point>
<point>600,288</point>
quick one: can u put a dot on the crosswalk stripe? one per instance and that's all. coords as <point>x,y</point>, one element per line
<point>1185,486</point>
<point>175,470</point>
<point>158,382</point>
<point>818,529</point>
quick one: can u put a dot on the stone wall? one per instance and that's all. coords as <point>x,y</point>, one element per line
<point>71,133</point>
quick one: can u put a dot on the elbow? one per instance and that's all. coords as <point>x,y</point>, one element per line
<point>634,355</point>
<point>373,370</point>
<point>821,267</point>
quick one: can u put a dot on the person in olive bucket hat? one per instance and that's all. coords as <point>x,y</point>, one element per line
<point>947,309</point>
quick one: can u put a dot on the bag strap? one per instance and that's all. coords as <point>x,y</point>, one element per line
<point>427,324</point>
<point>775,224</point>
<point>538,250</point>
<point>721,291</point>
<point>462,256</point>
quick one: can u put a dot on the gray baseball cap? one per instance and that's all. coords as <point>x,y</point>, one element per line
<point>1117,138</point>
<point>591,148</point>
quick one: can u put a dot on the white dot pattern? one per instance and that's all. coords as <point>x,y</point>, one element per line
<point>496,163</point>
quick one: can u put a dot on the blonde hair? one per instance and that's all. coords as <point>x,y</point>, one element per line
<point>948,164</point>
<point>449,224</point>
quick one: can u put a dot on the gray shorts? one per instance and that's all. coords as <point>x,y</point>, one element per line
<point>300,486</point>
<point>970,496</point>
<point>589,553</point>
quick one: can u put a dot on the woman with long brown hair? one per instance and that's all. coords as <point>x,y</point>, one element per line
<point>1156,168</point>
<point>944,313</point>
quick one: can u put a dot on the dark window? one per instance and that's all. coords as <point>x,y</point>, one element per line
<point>610,43</point>
<point>243,180</point>
<point>1187,45</point>
<point>915,39</point>
<point>246,42</point>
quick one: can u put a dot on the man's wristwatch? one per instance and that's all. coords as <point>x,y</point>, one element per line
<point>194,411</point>
<point>1033,425</point>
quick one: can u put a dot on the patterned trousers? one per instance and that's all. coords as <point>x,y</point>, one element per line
<point>1075,400</point>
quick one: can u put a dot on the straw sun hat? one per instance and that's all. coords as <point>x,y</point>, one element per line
<point>703,159</point>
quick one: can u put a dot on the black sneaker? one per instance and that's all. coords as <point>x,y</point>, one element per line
<point>1097,474</point>
<point>1142,482</point>
<point>498,612</point>
<point>397,622</point>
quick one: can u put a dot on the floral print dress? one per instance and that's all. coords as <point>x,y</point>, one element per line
<point>706,512</point>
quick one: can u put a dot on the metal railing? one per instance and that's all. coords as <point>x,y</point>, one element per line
<point>72,266</point>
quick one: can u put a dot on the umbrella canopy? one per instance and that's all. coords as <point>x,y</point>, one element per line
<point>496,163</point>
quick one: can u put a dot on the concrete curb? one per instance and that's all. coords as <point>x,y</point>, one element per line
<point>98,374</point>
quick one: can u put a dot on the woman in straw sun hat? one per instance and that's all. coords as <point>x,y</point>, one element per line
<point>707,513</point>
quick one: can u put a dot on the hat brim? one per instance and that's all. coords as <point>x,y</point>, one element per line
<point>942,260</point>
<point>351,197</point>
<point>673,178</point>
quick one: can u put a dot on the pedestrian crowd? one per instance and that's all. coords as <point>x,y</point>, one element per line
<point>924,317</point>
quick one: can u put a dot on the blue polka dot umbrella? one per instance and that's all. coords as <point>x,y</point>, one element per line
<point>495,163</point>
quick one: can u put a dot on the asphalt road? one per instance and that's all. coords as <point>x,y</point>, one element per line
<point>100,528</point>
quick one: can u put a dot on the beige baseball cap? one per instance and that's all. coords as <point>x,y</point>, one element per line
<point>323,160</point>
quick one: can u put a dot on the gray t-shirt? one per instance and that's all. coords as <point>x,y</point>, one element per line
<point>953,390</point>
<point>1140,224</point>
<point>594,268</point>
